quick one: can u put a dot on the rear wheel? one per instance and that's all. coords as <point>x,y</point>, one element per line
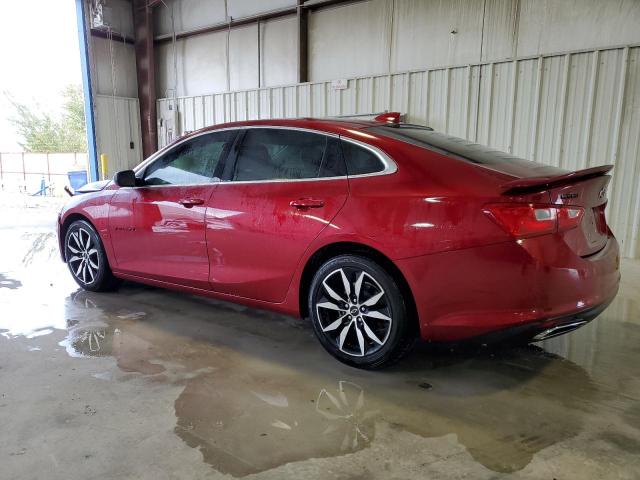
<point>86,258</point>
<point>358,312</point>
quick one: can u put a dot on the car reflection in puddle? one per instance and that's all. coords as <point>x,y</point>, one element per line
<point>259,394</point>
<point>345,410</point>
<point>88,335</point>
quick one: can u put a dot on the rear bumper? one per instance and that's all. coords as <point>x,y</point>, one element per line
<point>526,286</point>
<point>543,329</point>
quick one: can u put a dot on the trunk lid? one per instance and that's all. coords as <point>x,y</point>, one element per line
<point>592,234</point>
<point>583,188</point>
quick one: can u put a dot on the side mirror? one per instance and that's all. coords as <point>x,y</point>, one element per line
<point>125,178</point>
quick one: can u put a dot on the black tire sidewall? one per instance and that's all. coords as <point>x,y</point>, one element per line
<point>399,327</point>
<point>104,273</point>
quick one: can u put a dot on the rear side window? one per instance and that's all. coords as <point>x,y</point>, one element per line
<point>360,160</point>
<point>281,154</point>
<point>192,162</point>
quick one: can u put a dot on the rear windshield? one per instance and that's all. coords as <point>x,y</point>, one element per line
<point>427,138</point>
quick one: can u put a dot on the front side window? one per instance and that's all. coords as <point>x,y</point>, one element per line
<point>281,154</point>
<point>360,160</point>
<point>192,162</point>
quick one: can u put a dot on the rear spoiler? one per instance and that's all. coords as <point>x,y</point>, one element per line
<point>542,183</point>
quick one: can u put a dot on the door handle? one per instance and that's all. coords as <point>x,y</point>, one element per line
<point>190,202</point>
<point>303,203</point>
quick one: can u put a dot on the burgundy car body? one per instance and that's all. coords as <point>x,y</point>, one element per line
<point>427,215</point>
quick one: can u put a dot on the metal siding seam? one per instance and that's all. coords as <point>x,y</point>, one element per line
<point>446,100</point>
<point>283,103</point>
<point>296,107</point>
<point>563,107</point>
<point>372,98</point>
<point>258,104</point>
<point>487,115</point>
<point>325,96</point>
<point>536,109</point>
<point>426,97</point>
<point>407,92</point>
<point>467,103</point>
<point>224,108</point>
<point>235,106</point>
<point>193,113</point>
<point>593,82</point>
<point>512,114</point>
<point>355,96</point>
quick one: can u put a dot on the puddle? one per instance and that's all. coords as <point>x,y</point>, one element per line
<point>259,394</point>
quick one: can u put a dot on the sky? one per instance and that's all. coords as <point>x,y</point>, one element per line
<point>39,55</point>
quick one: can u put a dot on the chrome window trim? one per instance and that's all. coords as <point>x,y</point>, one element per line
<point>390,166</point>
<point>182,185</point>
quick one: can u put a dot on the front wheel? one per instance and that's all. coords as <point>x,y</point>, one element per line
<point>86,258</point>
<point>358,312</point>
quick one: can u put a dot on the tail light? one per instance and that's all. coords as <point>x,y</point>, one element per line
<point>601,221</point>
<point>528,220</point>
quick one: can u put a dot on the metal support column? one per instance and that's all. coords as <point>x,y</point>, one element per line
<point>303,43</point>
<point>83,41</point>
<point>145,70</point>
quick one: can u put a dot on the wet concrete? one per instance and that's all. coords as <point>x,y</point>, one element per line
<point>148,383</point>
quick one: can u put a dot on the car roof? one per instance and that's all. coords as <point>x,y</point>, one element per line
<point>330,125</point>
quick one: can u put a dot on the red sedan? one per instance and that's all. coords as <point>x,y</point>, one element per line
<point>379,232</point>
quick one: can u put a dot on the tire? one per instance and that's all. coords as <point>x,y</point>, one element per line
<point>369,332</point>
<point>86,258</point>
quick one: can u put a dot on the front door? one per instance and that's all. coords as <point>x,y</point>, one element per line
<point>158,229</point>
<point>283,188</point>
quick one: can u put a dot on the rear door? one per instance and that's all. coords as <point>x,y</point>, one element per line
<point>282,188</point>
<point>158,229</point>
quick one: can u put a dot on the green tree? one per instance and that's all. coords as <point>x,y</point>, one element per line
<point>74,130</point>
<point>41,132</point>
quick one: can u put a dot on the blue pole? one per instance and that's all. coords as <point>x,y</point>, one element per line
<point>83,40</point>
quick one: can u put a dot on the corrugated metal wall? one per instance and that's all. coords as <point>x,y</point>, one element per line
<point>117,129</point>
<point>573,110</point>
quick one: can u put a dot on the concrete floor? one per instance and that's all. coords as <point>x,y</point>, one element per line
<point>146,383</point>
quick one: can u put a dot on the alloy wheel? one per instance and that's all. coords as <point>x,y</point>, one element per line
<point>84,260</point>
<point>353,311</point>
